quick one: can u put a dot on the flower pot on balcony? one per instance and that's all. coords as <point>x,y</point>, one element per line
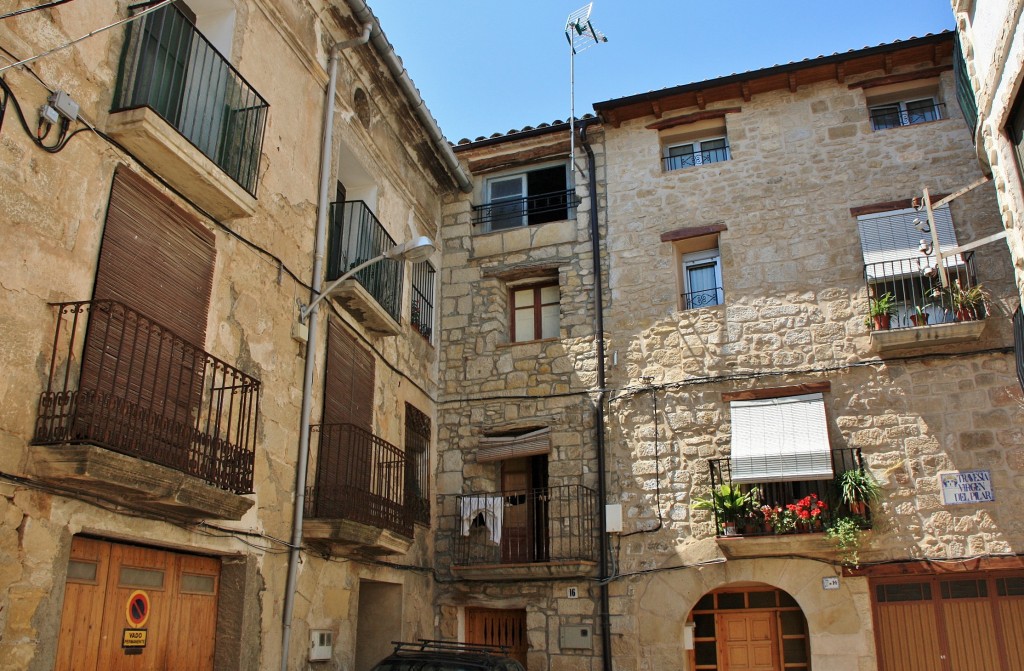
<point>919,320</point>
<point>729,529</point>
<point>881,322</point>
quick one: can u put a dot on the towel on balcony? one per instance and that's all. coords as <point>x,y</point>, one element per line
<point>487,506</point>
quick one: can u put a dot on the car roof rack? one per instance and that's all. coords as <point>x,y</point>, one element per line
<point>427,644</point>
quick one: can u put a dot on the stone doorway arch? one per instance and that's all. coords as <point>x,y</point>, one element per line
<point>749,628</point>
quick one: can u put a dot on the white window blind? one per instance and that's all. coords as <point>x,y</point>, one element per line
<point>780,440</point>
<point>887,238</point>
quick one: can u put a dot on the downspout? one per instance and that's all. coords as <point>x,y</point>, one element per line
<point>595,247</point>
<point>419,108</point>
<point>302,462</point>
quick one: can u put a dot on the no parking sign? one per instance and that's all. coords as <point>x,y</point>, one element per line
<point>136,612</point>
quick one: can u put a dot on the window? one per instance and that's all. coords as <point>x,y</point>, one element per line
<point>780,440</point>
<point>696,152</point>
<point>1015,129</point>
<point>702,279</point>
<point>904,113</point>
<point>526,199</point>
<point>422,314</point>
<point>534,312</point>
<point>893,264</point>
<point>417,463</point>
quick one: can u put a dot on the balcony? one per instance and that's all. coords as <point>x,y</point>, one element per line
<point>924,313</point>
<point>776,525</point>
<point>374,294</point>
<point>548,532</point>
<point>134,412</point>
<point>909,114</point>
<point>543,208</point>
<point>358,497</point>
<point>678,161</point>
<point>183,109</point>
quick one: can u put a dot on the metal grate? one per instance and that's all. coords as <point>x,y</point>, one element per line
<point>359,477</point>
<point>423,298</point>
<point>514,212</point>
<point>143,391</point>
<point>917,291</point>
<point>417,455</point>
<point>356,236</point>
<point>168,66</point>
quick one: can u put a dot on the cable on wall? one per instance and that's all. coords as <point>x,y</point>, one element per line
<point>26,10</point>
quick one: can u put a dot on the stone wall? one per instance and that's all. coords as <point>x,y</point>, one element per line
<point>55,207</point>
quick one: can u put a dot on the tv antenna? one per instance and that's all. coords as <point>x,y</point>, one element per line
<point>581,35</point>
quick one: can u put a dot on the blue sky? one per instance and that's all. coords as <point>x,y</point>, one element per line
<point>484,66</point>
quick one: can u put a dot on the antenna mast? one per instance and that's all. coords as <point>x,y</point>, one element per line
<point>581,35</point>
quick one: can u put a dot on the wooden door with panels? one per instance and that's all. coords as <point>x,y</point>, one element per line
<point>113,591</point>
<point>748,641</point>
<point>498,627</point>
<point>524,530</point>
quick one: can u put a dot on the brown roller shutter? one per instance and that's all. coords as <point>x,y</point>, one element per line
<point>156,258</point>
<point>349,383</point>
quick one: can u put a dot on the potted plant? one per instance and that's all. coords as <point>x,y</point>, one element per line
<point>967,304</point>
<point>808,513</point>
<point>880,311</point>
<point>730,503</point>
<point>845,533</point>
<point>920,317</point>
<point>858,489</point>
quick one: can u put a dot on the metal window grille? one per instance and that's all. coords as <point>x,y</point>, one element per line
<point>423,298</point>
<point>417,456</point>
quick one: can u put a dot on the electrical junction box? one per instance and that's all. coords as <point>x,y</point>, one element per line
<point>613,518</point>
<point>321,645</point>
<point>64,105</point>
<point>579,637</point>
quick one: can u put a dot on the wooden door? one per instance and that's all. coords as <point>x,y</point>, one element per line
<point>748,641</point>
<point>516,522</point>
<point>180,624</point>
<point>496,627</point>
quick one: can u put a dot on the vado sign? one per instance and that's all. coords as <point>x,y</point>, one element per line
<point>962,487</point>
<point>136,612</point>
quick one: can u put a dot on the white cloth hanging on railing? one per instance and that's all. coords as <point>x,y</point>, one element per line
<point>490,507</point>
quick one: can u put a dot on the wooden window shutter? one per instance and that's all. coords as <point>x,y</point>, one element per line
<point>500,448</point>
<point>156,258</point>
<point>349,380</point>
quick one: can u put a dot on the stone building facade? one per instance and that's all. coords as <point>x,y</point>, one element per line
<point>748,225</point>
<point>992,41</point>
<point>160,238</point>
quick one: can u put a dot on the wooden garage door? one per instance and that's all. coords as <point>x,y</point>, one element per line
<point>498,627</point>
<point>104,577</point>
<point>972,622</point>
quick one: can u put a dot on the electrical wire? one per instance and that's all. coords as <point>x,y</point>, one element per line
<point>37,136</point>
<point>26,10</point>
<point>162,3</point>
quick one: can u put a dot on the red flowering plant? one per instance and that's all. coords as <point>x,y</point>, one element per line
<point>808,511</point>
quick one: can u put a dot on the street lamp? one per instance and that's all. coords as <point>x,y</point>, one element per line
<point>414,250</point>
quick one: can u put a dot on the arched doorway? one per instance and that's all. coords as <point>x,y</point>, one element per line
<point>749,628</point>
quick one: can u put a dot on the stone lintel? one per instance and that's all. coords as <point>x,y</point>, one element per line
<point>692,118</point>
<point>927,73</point>
<point>353,538</point>
<point>778,392</point>
<point>133,482</point>
<point>890,205</point>
<point>177,160</point>
<point>552,569</point>
<point>537,270</point>
<point>692,232</point>
<point>814,545</point>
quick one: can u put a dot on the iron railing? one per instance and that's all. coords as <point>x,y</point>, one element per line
<point>703,298</point>
<point>422,310</point>
<point>688,160</point>
<point>917,291</point>
<point>359,477</point>
<point>168,66</point>
<point>120,380</point>
<point>537,525</point>
<point>417,476</point>
<point>772,498</point>
<point>357,236</point>
<point>529,211</point>
<point>893,116</point>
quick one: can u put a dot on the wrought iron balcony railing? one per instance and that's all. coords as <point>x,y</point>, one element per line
<point>893,116</point>
<point>703,298</point>
<point>917,293</point>
<point>688,160</point>
<point>359,477</point>
<point>356,235</point>
<point>779,507</point>
<point>122,381</point>
<point>536,525</point>
<point>529,211</point>
<point>168,66</point>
